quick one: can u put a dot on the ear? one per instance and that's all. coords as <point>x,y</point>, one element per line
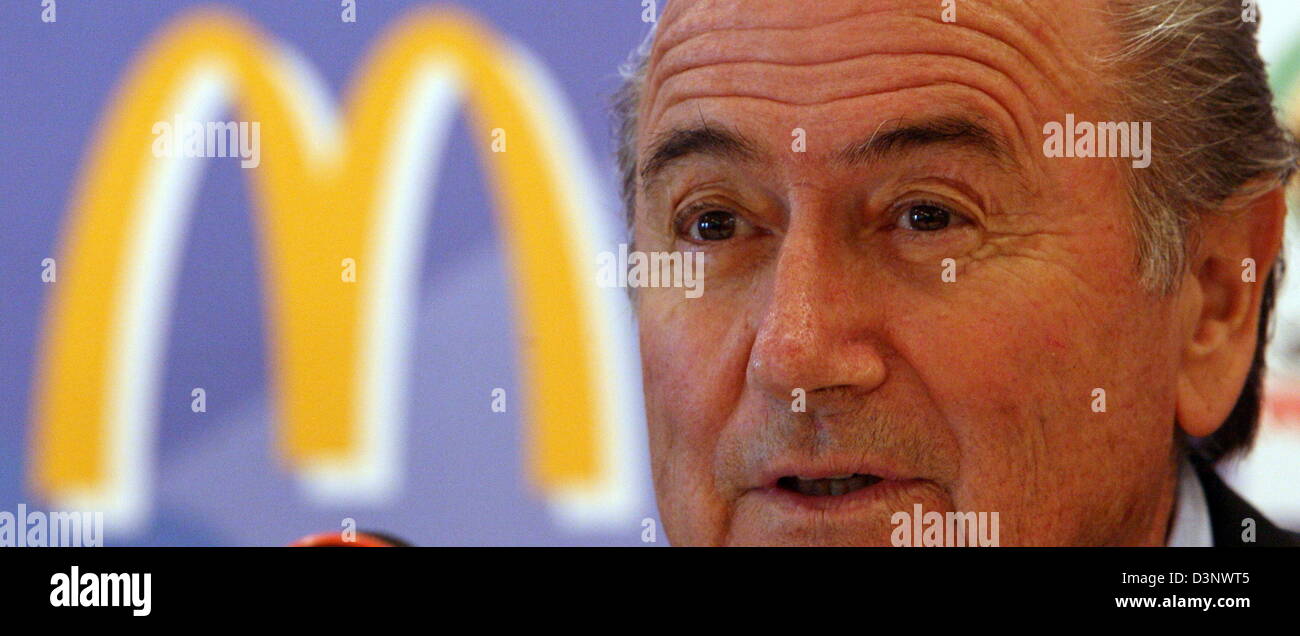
<point>1220,306</point>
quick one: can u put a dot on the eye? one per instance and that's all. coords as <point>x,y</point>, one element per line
<point>925,217</point>
<point>714,226</point>
<point>710,225</point>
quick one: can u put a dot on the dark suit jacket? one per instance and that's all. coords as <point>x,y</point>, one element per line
<point>1228,511</point>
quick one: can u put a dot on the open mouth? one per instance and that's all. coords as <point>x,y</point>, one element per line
<point>827,487</point>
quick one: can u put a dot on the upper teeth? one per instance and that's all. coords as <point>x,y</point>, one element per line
<point>832,486</point>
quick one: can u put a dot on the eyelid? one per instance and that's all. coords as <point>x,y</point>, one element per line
<point>680,217</point>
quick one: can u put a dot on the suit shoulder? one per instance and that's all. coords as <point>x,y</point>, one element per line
<point>1235,522</point>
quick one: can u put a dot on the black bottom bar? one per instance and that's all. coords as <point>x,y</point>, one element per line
<point>189,583</point>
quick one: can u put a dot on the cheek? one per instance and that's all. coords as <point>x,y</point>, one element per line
<point>1013,368</point>
<point>689,363</point>
<point>693,374</point>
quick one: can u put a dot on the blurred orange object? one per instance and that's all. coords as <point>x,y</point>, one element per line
<point>337,540</point>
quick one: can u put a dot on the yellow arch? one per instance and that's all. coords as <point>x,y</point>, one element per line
<point>314,210</point>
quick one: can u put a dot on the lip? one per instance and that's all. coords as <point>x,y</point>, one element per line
<point>829,469</point>
<point>884,490</point>
<point>895,483</point>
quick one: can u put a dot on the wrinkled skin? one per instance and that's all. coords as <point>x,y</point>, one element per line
<point>973,395</point>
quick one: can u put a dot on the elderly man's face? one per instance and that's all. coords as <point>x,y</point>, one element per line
<point>964,385</point>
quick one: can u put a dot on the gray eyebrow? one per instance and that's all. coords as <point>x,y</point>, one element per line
<point>704,139</point>
<point>902,137</point>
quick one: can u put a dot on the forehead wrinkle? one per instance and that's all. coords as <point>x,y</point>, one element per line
<point>667,41</point>
<point>1049,62</point>
<point>1044,45</point>
<point>666,97</point>
<point>999,92</point>
<point>1019,141</point>
<point>977,15</point>
<point>1011,38</point>
<point>685,97</point>
<point>679,24</point>
<point>691,48</point>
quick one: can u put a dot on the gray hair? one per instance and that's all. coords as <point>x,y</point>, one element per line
<point>627,103</point>
<point>1192,68</point>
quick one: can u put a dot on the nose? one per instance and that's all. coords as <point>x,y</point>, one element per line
<point>818,328</point>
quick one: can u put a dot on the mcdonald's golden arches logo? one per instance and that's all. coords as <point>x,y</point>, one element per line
<point>329,188</point>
